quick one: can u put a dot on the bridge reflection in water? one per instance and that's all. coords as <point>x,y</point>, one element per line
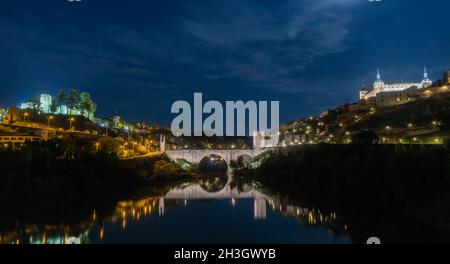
<point>196,192</point>
<point>126,212</point>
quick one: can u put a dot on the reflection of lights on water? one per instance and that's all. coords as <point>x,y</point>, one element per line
<point>144,207</point>
<point>102,233</point>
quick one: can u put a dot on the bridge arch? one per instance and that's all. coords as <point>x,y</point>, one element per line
<point>195,156</point>
<point>213,163</point>
<point>246,158</point>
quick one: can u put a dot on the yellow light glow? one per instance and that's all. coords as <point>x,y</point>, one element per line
<point>102,233</point>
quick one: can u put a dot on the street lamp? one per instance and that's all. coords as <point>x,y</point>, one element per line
<point>25,117</point>
<point>127,128</point>
<point>49,119</point>
<point>97,145</point>
<point>70,122</point>
<point>134,147</point>
<point>107,128</point>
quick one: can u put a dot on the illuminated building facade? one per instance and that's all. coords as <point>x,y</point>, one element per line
<point>379,86</point>
<point>3,114</point>
<point>446,78</point>
<point>47,105</point>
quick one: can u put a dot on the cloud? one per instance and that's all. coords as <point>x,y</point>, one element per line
<point>262,44</point>
<point>267,46</point>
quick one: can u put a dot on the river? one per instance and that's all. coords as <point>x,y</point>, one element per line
<point>210,211</point>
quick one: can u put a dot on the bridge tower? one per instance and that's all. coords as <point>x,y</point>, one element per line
<point>162,143</point>
<point>259,208</point>
<point>257,140</point>
<point>161,209</point>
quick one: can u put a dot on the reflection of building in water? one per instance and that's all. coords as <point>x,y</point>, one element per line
<point>259,208</point>
<point>47,235</point>
<point>128,211</point>
<point>310,216</point>
<point>63,234</point>
<point>197,192</point>
<point>161,206</point>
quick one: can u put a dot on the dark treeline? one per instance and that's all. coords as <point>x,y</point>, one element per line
<point>392,184</point>
<point>65,178</point>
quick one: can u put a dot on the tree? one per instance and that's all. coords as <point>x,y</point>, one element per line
<point>365,137</point>
<point>87,106</point>
<point>35,103</point>
<point>53,106</point>
<point>92,109</point>
<point>73,102</point>
<point>62,100</point>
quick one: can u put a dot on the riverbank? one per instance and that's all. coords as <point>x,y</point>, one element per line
<point>400,186</point>
<point>66,181</point>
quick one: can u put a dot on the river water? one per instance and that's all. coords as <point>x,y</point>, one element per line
<point>195,213</point>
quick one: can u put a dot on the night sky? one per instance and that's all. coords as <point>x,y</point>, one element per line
<point>139,56</point>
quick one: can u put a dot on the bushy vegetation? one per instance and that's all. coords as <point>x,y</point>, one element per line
<point>166,169</point>
<point>65,179</point>
<point>36,169</point>
<point>403,182</point>
<point>421,113</point>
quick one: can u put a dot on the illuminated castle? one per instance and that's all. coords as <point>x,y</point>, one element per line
<point>380,86</point>
<point>47,105</point>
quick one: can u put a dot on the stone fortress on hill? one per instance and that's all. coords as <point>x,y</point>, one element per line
<point>389,94</point>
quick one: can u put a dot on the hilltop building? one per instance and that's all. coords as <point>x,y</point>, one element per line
<point>379,86</point>
<point>113,122</point>
<point>3,114</point>
<point>389,94</point>
<point>47,105</point>
<point>446,79</point>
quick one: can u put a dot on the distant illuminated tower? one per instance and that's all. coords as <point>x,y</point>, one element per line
<point>378,85</point>
<point>425,81</point>
<point>161,209</point>
<point>46,103</point>
<point>256,140</point>
<point>162,143</point>
<point>446,78</point>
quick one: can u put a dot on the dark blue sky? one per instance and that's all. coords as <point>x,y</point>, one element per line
<point>139,56</point>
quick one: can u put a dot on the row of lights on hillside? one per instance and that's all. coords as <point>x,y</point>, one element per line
<point>50,118</point>
<point>414,139</point>
<point>411,125</point>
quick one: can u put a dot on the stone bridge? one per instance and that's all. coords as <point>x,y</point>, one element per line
<point>195,156</point>
<point>196,192</point>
